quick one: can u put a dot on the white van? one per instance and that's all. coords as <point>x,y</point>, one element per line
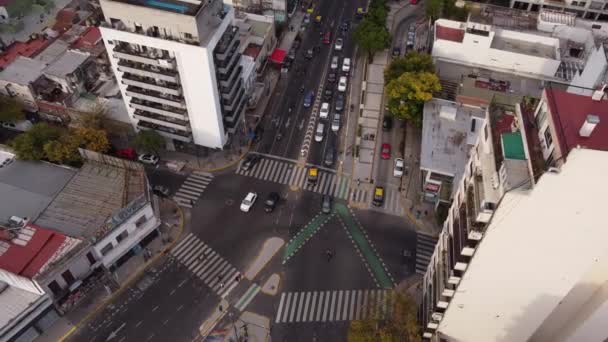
<point>334,63</point>
<point>346,65</point>
<point>319,132</point>
<point>324,112</point>
<point>342,84</point>
<point>19,126</point>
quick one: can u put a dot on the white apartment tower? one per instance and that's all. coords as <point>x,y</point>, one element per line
<point>178,67</point>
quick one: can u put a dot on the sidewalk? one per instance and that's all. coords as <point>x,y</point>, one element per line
<point>170,229</point>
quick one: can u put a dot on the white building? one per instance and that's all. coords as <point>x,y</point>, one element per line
<point>539,271</point>
<point>178,67</point>
<point>591,10</point>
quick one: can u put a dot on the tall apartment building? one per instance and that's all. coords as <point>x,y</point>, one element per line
<point>178,67</point>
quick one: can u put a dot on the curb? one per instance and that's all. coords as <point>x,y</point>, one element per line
<point>129,281</point>
<point>226,166</point>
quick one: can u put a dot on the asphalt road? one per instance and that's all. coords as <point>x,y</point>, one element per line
<point>292,126</point>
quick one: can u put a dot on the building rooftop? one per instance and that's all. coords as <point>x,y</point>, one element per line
<point>27,187</point>
<point>53,51</point>
<point>187,7</point>
<point>90,38</point>
<point>448,130</point>
<point>569,112</point>
<point>28,49</point>
<point>22,71</point>
<point>513,146</point>
<point>15,302</point>
<point>522,270</point>
<point>29,250</point>
<point>89,204</point>
<point>67,63</point>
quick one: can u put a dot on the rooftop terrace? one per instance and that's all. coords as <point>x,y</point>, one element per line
<point>187,7</point>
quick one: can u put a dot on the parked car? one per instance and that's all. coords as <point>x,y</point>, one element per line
<point>149,159</point>
<point>320,132</point>
<point>309,54</point>
<point>327,37</point>
<point>339,44</point>
<point>324,111</point>
<point>326,204</point>
<point>339,104</point>
<point>386,151</point>
<point>334,63</point>
<point>248,201</point>
<point>387,123</point>
<point>346,65</point>
<point>396,51</point>
<point>18,126</point>
<point>378,198</point>
<point>160,190</point>
<point>335,123</point>
<point>126,153</point>
<point>331,77</point>
<point>328,94</point>
<point>342,84</point>
<point>271,202</point>
<point>330,155</point>
<point>250,162</point>
<point>310,96</point>
<point>399,166</point>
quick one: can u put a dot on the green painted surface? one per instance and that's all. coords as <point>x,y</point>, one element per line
<point>247,295</point>
<point>343,188</point>
<point>364,246</point>
<point>304,234</point>
<point>513,146</point>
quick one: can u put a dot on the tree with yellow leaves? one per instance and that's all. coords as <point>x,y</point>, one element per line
<point>407,93</point>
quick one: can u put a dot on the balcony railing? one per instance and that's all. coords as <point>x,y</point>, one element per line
<point>230,81</point>
<point>226,39</point>
<point>166,131</point>
<point>119,25</point>
<point>226,55</point>
<point>162,120</point>
<point>158,108</point>
<point>152,84</point>
<point>231,104</point>
<point>237,85</point>
<point>155,57</point>
<point>146,70</point>
<point>226,72</point>
<point>155,96</point>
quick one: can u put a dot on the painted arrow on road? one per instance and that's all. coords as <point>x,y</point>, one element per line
<point>114,333</point>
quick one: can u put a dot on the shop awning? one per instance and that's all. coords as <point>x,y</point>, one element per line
<point>278,56</point>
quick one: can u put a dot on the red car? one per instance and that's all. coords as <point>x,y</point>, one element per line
<point>126,153</point>
<point>386,151</point>
<point>327,38</point>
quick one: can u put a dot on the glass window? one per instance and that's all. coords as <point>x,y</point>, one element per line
<point>548,137</point>
<point>107,248</point>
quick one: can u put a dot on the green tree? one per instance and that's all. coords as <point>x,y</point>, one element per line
<point>411,62</point>
<point>371,37</point>
<point>396,324</point>
<point>433,9</point>
<point>10,110</point>
<point>30,145</point>
<point>407,94</point>
<point>149,141</point>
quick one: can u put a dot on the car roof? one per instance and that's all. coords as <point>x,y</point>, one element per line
<point>250,196</point>
<point>386,145</point>
<point>379,191</point>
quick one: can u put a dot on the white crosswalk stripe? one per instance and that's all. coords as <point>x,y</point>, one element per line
<point>332,306</point>
<point>425,246</point>
<point>392,202</point>
<point>289,173</point>
<point>192,188</point>
<point>215,271</point>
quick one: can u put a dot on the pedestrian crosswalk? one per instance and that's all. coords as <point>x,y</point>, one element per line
<point>192,188</point>
<point>333,306</point>
<point>289,173</point>
<point>215,271</point>
<point>392,202</point>
<point>425,246</point>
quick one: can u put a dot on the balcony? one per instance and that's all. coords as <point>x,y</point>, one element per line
<point>224,68</point>
<point>145,70</point>
<point>155,96</point>
<point>166,131</point>
<point>152,84</point>
<point>230,95</point>
<point>228,54</point>
<point>157,108</point>
<point>154,57</point>
<point>224,43</point>
<point>162,120</point>
<point>229,81</point>
<point>231,104</point>
<point>226,73</point>
<point>483,209</point>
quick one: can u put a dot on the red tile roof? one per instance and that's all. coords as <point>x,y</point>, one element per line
<point>28,49</point>
<point>449,33</point>
<point>65,19</point>
<point>569,111</point>
<point>28,259</point>
<point>252,50</point>
<point>88,39</point>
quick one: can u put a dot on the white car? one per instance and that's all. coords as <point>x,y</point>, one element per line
<point>324,112</point>
<point>342,84</point>
<point>399,166</point>
<point>334,63</point>
<point>149,159</point>
<point>339,44</point>
<point>335,123</point>
<point>319,132</point>
<point>346,65</point>
<point>248,201</point>
<point>19,126</point>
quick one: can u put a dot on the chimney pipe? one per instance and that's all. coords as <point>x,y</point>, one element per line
<point>589,125</point>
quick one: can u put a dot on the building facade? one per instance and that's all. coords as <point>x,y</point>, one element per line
<point>178,68</point>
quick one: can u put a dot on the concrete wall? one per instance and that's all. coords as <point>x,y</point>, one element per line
<point>135,235</point>
<point>592,75</point>
<point>20,282</point>
<point>78,265</point>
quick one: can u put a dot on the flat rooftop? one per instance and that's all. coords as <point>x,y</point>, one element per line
<point>87,204</point>
<point>65,65</point>
<point>27,187</point>
<point>520,272</point>
<point>523,47</point>
<point>187,7</point>
<point>22,71</point>
<point>446,139</point>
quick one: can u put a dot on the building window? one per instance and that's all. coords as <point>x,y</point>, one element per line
<point>140,221</point>
<point>596,26</point>
<point>485,133</point>
<point>574,3</point>
<point>122,235</point>
<point>91,258</point>
<point>105,250</point>
<point>548,137</point>
<point>55,288</point>
<point>540,118</point>
<point>68,277</point>
<point>187,35</point>
<point>473,124</point>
